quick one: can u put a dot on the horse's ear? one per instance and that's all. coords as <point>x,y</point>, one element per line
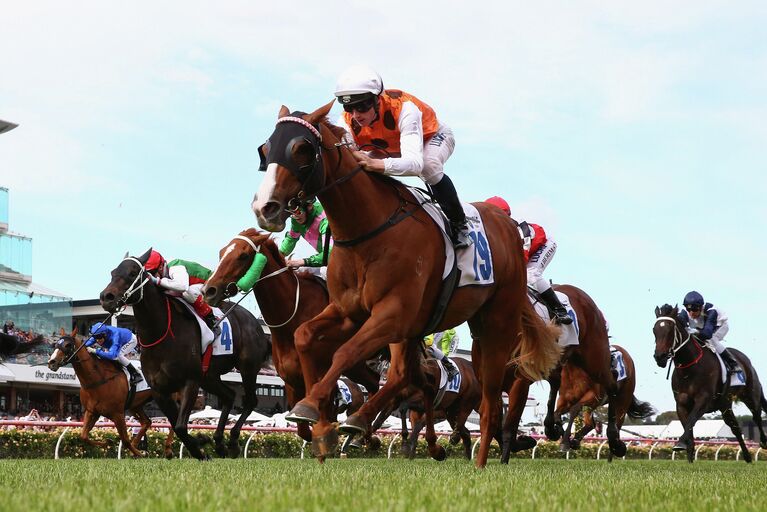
<point>676,310</point>
<point>145,257</point>
<point>657,311</point>
<point>126,255</point>
<point>320,114</point>
<point>74,332</point>
<point>284,111</point>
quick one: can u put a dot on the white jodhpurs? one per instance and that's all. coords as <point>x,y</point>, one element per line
<point>718,337</point>
<point>321,272</point>
<point>126,349</point>
<point>192,292</point>
<point>436,353</point>
<point>537,263</point>
<point>436,151</point>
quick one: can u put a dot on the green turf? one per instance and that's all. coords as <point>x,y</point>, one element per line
<point>356,485</point>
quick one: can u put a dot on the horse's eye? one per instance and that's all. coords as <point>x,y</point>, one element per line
<point>243,256</point>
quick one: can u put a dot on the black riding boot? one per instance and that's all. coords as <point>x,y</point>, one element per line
<point>135,376</point>
<point>447,197</point>
<point>450,368</point>
<point>729,362</point>
<point>560,313</point>
<point>210,321</point>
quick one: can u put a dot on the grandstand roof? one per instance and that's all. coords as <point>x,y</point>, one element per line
<point>704,429</point>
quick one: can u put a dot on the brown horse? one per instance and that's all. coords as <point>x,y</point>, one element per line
<point>103,392</point>
<point>579,391</point>
<point>697,383</point>
<point>385,277</point>
<point>286,299</point>
<point>454,407</point>
<point>592,354</point>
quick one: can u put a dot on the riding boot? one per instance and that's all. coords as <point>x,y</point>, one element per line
<point>210,321</point>
<point>447,197</point>
<point>135,376</point>
<point>729,362</point>
<point>450,368</point>
<point>560,313</point>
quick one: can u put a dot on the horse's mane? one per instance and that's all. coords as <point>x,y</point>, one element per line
<point>666,310</point>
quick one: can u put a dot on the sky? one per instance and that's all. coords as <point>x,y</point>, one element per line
<point>633,132</point>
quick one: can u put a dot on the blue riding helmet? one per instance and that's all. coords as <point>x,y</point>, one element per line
<point>693,299</point>
<point>98,329</point>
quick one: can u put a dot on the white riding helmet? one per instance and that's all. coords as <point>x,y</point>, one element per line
<point>358,83</point>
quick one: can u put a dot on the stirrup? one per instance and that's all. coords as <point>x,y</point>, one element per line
<point>460,236</point>
<point>561,317</point>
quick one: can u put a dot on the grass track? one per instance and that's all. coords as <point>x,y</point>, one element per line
<point>357,485</point>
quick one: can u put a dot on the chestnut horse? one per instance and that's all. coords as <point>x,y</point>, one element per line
<point>578,391</point>
<point>697,381</point>
<point>169,335</point>
<point>286,299</point>
<point>103,392</point>
<point>592,354</point>
<point>385,277</point>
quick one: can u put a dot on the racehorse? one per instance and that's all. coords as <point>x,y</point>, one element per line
<point>578,391</point>
<point>169,335</point>
<point>697,381</point>
<point>385,277</point>
<point>592,354</point>
<point>286,299</point>
<point>454,407</point>
<point>103,392</point>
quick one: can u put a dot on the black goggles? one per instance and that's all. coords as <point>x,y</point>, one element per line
<point>693,309</point>
<point>361,106</point>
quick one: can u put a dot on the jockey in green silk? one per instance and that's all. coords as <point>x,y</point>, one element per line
<point>307,221</point>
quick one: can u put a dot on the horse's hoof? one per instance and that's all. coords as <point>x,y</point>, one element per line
<point>323,446</point>
<point>455,438</point>
<point>679,447</point>
<point>524,443</point>
<point>234,451</point>
<point>554,433</point>
<point>356,443</point>
<point>618,448</point>
<point>169,455</point>
<point>221,451</point>
<point>354,425</point>
<point>575,445</point>
<point>438,454</point>
<point>303,412</point>
<point>374,443</point>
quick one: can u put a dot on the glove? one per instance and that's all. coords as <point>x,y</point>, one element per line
<point>152,279</point>
<point>91,350</point>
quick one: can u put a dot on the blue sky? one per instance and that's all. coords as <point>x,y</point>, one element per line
<point>633,133</point>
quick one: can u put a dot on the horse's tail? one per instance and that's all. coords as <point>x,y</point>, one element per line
<point>538,351</point>
<point>639,409</point>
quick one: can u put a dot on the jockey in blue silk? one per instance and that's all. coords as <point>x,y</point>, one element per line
<point>708,324</point>
<point>115,343</point>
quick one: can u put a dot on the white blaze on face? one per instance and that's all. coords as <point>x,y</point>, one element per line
<point>226,253</point>
<point>54,356</point>
<point>266,190</point>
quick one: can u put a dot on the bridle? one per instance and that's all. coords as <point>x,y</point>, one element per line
<point>256,249</point>
<point>678,343</point>
<point>135,286</point>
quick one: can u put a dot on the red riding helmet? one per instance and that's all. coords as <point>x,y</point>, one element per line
<point>155,262</point>
<point>500,203</point>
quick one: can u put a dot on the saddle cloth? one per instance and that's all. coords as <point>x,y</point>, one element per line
<point>344,393</point>
<point>141,386</point>
<point>223,345</point>
<point>570,332</point>
<point>738,377</point>
<point>616,361</point>
<point>475,261</point>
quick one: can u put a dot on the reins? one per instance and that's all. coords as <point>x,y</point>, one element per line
<point>168,330</point>
<point>677,345</point>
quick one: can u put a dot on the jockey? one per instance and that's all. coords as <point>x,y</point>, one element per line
<point>185,278</point>
<point>538,249</point>
<point>115,343</point>
<point>407,131</point>
<point>438,354</point>
<point>709,324</point>
<point>308,221</point>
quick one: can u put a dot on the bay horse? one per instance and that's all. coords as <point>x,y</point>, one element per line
<point>286,299</point>
<point>104,392</point>
<point>169,336</point>
<point>579,391</point>
<point>697,381</point>
<point>592,355</point>
<point>454,407</point>
<point>384,279</point>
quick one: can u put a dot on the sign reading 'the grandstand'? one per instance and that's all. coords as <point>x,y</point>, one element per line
<point>41,375</point>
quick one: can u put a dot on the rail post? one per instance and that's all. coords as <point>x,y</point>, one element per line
<point>58,443</point>
<point>737,455</point>
<point>697,450</point>
<point>391,445</point>
<point>120,450</point>
<point>649,455</point>
<point>756,457</point>
<point>535,448</point>
<point>716,455</point>
<point>599,451</point>
<point>247,443</point>
<point>302,450</point>
<point>474,447</point>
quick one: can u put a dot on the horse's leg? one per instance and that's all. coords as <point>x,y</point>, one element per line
<point>435,450</point>
<point>168,450</point>
<point>459,426</point>
<point>249,402</point>
<point>551,427</point>
<point>417,422</point>
<point>181,413</point>
<point>89,420</point>
<point>143,419</point>
<point>512,441</point>
<point>756,403</point>
<point>574,412</point>
<point>688,420</point>
<point>212,384</point>
<point>292,395</point>
<point>588,426</point>
<point>729,418</point>
<point>122,430</point>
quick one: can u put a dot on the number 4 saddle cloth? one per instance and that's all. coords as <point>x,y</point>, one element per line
<point>223,345</point>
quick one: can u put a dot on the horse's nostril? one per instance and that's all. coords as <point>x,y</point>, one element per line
<point>210,292</point>
<point>271,209</point>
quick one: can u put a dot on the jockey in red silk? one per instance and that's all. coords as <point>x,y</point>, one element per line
<point>185,279</point>
<point>708,324</point>
<point>308,221</point>
<point>539,250</point>
<point>115,343</point>
<point>407,132</point>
